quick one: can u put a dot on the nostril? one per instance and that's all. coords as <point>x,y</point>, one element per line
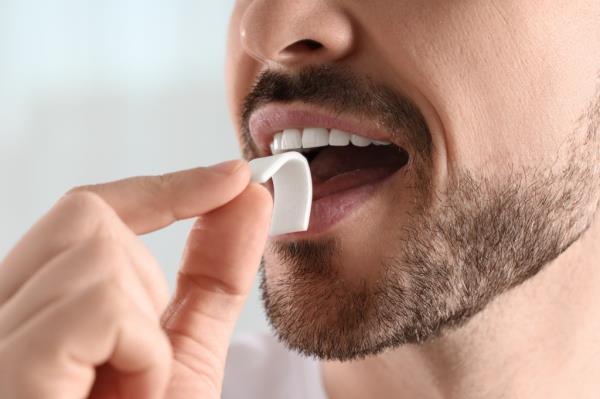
<point>305,45</point>
<point>311,44</point>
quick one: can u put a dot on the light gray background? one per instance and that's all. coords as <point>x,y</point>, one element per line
<point>92,91</point>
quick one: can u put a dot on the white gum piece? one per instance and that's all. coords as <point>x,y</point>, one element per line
<point>292,184</point>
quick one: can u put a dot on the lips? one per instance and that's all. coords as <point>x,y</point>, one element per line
<point>272,119</point>
<point>349,159</point>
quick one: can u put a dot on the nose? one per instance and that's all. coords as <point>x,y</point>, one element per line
<point>293,34</point>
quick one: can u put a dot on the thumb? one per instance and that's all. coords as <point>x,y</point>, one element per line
<point>220,262</point>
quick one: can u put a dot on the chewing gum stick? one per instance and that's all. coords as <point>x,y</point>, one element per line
<point>292,185</point>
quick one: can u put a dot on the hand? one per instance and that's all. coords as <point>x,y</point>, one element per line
<point>82,301</point>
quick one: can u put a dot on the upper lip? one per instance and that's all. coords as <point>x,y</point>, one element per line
<point>272,118</point>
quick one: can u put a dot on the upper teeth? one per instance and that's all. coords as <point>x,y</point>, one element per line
<point>313,137</point>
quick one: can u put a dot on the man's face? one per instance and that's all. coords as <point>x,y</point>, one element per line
<point>492,109</point>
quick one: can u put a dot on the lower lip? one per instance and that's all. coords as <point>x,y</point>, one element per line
<point>328,211</point>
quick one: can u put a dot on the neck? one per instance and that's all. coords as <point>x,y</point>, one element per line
<point>539,340</point>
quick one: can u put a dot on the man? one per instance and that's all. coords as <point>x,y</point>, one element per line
<point>453,246</point>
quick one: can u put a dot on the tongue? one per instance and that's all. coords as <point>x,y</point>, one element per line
<point>334,161</point>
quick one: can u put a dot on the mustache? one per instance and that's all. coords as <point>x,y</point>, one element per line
<point>341,91</point>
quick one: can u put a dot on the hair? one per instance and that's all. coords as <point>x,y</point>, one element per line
<point>453,252</point>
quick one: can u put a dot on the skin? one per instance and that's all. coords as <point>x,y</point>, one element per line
<point>84,308</point>
<point>504,86</point>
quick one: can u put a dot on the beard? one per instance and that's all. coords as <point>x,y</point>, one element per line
<point>453,253</point>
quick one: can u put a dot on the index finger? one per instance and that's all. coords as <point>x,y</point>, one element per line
<point>149,203</point>
<point>142,203</point>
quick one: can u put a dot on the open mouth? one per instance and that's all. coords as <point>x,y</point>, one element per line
<point>347,167</point>
<point>341,161</point>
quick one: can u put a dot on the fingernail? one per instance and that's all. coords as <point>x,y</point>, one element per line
<point>227,168</point>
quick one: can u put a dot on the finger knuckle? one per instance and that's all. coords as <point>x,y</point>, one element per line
<point>165,180</point>
<point>107,256</point>
<point>154,186</point>
<point>108,302</point>
<point>106,249</point>
<point>83,204</point>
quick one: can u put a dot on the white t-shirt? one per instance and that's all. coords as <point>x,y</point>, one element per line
<point>260,367</point>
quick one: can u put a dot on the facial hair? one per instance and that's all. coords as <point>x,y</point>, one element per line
<point>455,252</point>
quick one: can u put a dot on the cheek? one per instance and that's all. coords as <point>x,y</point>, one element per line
<point>509,97</point>
<point>501,79</point>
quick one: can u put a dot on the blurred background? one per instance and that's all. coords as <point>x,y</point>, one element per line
<point>92,91</point>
